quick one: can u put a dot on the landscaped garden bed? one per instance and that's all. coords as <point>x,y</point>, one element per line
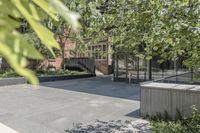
<point>165,124</point>
<point>46,78</point>
<point>12,78</point>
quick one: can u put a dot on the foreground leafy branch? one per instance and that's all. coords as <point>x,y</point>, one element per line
<point>13,47</point>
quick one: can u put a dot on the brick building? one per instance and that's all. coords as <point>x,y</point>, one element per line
<point>100,52</point>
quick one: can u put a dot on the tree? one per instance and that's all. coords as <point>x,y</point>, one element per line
<point>64,32</point>
<point>176,31</point>
<point>164,28</point>
<point>14,48</point>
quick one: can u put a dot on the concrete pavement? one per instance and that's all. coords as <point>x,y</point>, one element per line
<point>54,107</point>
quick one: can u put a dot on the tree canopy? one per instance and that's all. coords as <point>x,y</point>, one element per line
<point>164,28</point>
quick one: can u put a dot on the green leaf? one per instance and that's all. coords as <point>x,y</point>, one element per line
<point>43,33</point>
<point>47,8</point>
<point>22,47</point>
<point>17,63</point>
<point>69,16</point>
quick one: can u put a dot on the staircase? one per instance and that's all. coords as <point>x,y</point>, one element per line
<point>85,64</point>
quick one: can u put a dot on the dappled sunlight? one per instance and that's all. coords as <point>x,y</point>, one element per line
<point>119,126</point>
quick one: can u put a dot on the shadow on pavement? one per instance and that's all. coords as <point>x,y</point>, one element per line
<point>134,114</point>
<point>99,86</point>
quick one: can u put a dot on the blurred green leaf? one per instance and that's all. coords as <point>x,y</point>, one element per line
<point>14,48</point>
<point>69,16</point>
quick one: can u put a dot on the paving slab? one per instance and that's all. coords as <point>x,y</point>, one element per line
<point>54,107</point>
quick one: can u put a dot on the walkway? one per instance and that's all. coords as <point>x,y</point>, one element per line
<point>53,107</point>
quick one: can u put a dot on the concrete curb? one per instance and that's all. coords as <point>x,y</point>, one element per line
<point>21,80</point>
<point>12,81</point>
<point>64,77</point>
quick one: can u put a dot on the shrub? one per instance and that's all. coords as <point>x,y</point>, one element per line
<point>168,127</point>
<point>11,73</point>
<point>8,74</point>
<point>181,125</point>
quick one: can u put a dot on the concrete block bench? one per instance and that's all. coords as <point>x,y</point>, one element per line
<point>165,97</point>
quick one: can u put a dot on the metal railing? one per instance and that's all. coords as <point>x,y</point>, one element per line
<point>184,78</point>
<point>86,64</point>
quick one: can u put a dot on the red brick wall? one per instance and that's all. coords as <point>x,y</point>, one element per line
<point>103,66</point>
<point>58,61</point>
<point>69,46</point>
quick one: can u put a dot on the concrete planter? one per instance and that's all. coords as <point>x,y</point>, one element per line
<point>64,77</point>
<point>164,97</point>
<point>12,81</point>
<point>21,80</point>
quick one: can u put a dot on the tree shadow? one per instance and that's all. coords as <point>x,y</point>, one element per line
<point>98,86</point>
<point>134,114</point>
<point>119,126</point>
